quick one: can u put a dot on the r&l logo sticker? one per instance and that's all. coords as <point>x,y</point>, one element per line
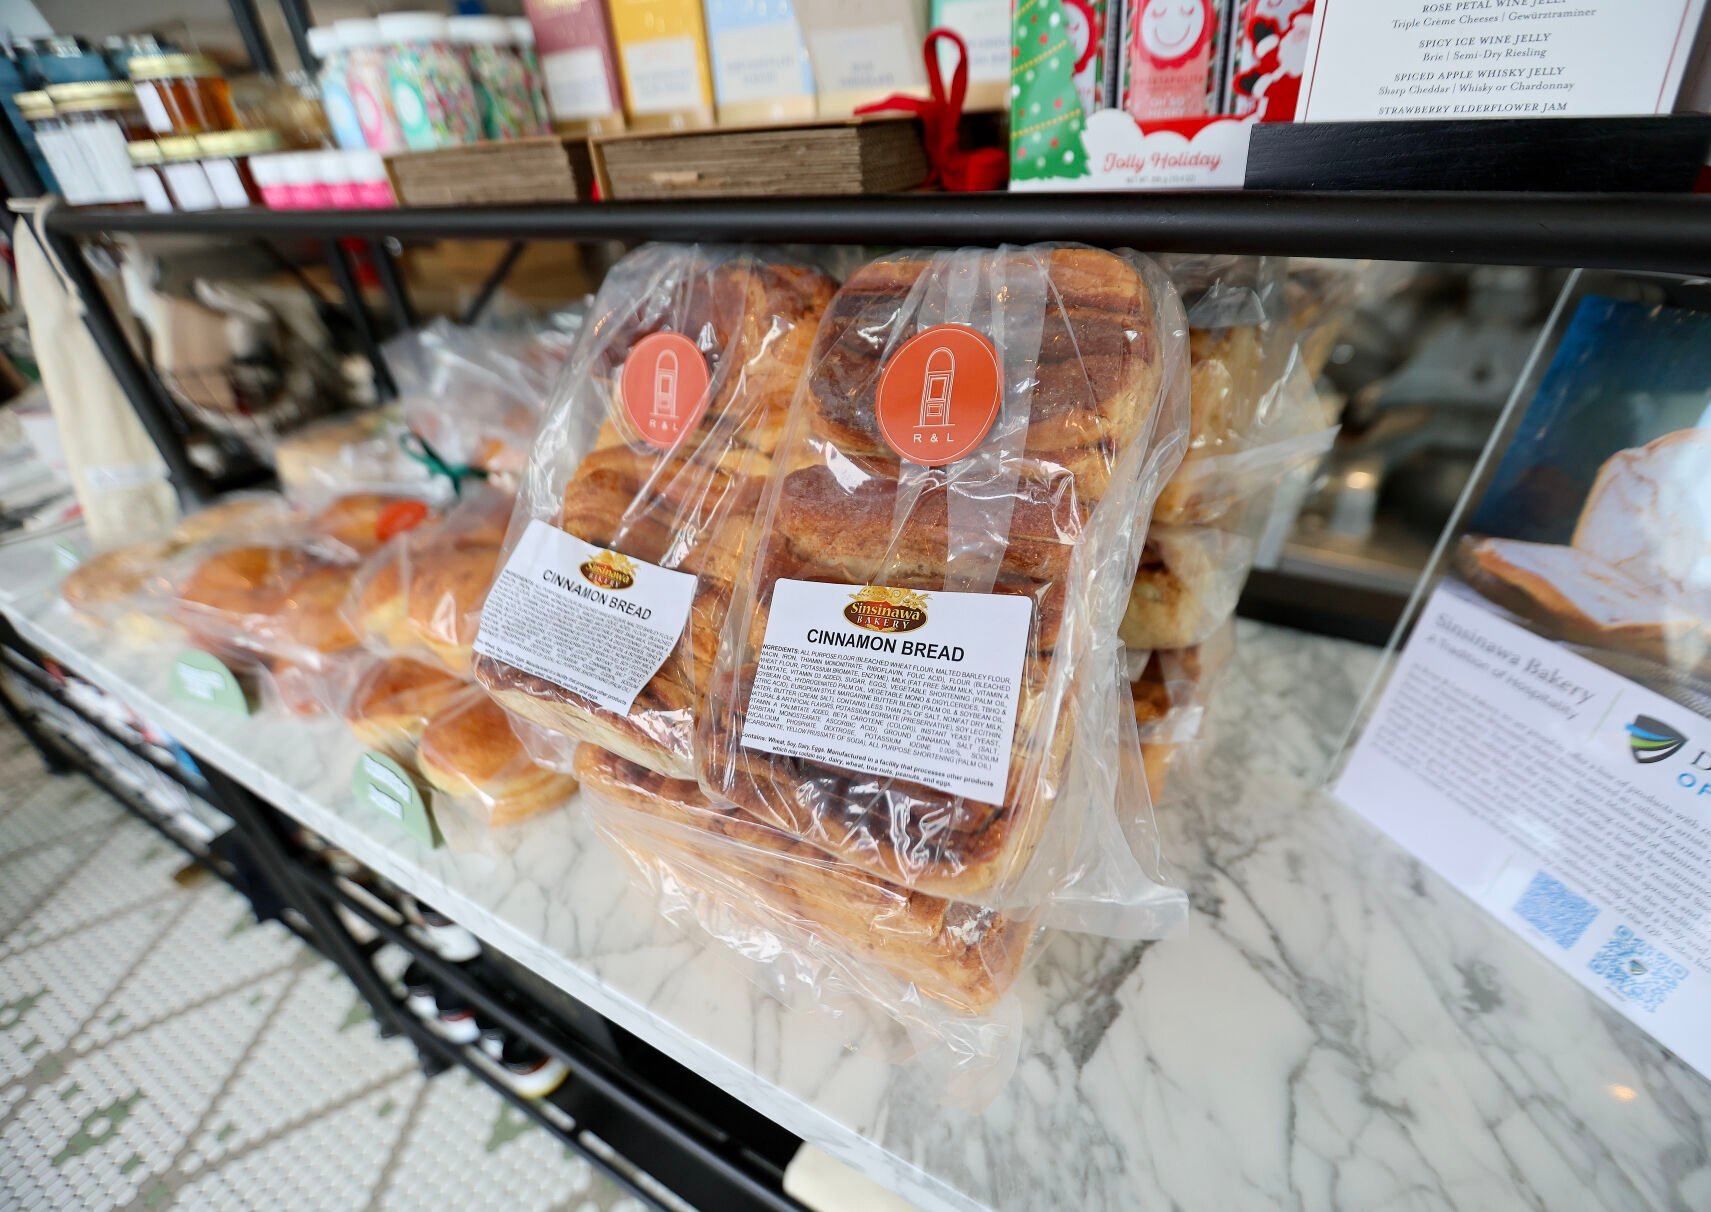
<point>1651,740</point>
<point>663,387</point>
<point>882,608</point>
<point>609,570</point>
<point>939,395</point>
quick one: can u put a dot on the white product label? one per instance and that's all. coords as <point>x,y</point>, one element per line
<point>916,686</point>
<point>593,621</point>
<point>228,185</point>
<point>576,81</point>
<point>109,160</point>
<point>663,74</point>
<point>154,194</point>
<point>985,28</point>
<point>1570,802</point>
<point>864,58</point>
<point>70,166</point>
<point>757,62</point>
<point>154,111</point>
<point>1493,58</point>
<point>190,186</point>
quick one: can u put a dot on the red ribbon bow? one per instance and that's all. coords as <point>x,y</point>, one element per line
<point>949,166</point>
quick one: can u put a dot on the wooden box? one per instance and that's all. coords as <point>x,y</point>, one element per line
<point>510,172</point>
<point>840,156</point>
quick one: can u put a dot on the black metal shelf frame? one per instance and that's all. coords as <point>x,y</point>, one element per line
<point>1668,233</point>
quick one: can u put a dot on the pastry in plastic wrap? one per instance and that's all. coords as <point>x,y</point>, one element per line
<point>391,699</point>
<point>1187,586</point>
<point>470,750</point>
<point>979,438</point>
<point>104,589</point>
<point>653,460</point>
<point>778,886</point>
<point>421,594</point>
<point>360,522</point>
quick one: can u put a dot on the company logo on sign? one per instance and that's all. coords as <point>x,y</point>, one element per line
<point>882,608</point>
<point>663,387</point>
<point>1651,740</point>
<point>609,570</point>
<point>939,395</point>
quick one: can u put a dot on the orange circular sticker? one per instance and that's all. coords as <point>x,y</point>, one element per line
<point>939,395</point>
<point>664,387</point>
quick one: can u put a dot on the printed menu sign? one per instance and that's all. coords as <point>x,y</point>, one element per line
<point>1543,740</point>
<point>1422,59</point>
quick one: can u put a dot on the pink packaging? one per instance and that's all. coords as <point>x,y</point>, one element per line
<point>270,179</point>
<point>332,168</point>
<point>1171,53</point>
<point>370,186</point>
<point>303,182</point>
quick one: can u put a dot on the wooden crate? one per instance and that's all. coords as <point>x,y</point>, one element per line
<point>840,156</point>
<point>510,172</point>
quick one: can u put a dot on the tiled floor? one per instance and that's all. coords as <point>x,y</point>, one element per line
<point>159,1049</point>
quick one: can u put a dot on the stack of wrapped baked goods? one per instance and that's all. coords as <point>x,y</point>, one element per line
<point>273,604</point>
<point>123,591</point>
<point>825,589</point>
<point>1256,421</point>
<point>415,604</point>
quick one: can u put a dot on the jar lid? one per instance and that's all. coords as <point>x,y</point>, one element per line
<point>92,94</point>
<point>522,33</point>
<point>33,104</point>
<point>323,41</point>
<point>171,67</point>
<point>468,31</point>
<point>179,147</point>
<point>412,27</point>
<point>144,151</point>
<point>239,142</point>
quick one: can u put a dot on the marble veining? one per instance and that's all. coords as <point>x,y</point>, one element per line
<point>1337,1028</point>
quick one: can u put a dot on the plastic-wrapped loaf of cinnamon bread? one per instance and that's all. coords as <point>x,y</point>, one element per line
<point>815,930</point>
<point>604,621</point>
<point>920,673</point>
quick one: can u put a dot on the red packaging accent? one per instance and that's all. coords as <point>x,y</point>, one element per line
<point>938,395</point>
<point>1168,58</point>
<point>664,387</point>
<point>1265,79</point>
<point>950,167</point>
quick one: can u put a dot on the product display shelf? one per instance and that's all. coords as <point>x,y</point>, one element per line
<point>1670,233</point>
<point>1336,1028</point>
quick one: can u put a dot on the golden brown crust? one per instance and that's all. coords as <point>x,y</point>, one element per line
<point>112,576</point>
<point>470,751</point>
<point>958,954</point>
<point>443,607</point>
<point>249,579</point>
<point>394,699</point>
<point>362,521</point>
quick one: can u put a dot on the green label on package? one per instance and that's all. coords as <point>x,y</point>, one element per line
<point>199,677</point>
<point>386,787</point>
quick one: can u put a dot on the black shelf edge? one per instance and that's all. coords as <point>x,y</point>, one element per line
<point>1669,233</point>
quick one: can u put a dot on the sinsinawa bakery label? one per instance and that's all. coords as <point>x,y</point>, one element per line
<point>596,622</point>
<point>895,682</point>
<point>938,395</point>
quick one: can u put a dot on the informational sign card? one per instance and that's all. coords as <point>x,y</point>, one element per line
<point>1543,740</point>
<point>1424,59</point>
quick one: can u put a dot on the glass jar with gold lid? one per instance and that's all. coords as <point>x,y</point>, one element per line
<point>97,118</point>
<point>183,94</point>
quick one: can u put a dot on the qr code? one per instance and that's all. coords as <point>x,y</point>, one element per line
<point>1560,915</point>
<point>1637,970</point>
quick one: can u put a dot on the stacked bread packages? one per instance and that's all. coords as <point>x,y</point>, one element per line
<point>1256,424</point>
<point>933,486</point>
<point>416,604</point>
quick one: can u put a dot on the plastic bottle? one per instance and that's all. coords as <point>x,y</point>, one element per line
<point>523,37</point>
<point>366,80</point>
<point>431,90</point>
<point>327,45</point>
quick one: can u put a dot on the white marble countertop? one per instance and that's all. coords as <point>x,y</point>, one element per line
<point>1337,1029</point>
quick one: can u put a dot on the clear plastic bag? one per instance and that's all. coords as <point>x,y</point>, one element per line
<point>421,594</point>
<point>475,397</point>
<point>470,750</point>
<point>279,597</point>
<point>1048,503</point>
<point>364,450</point>
<point>655,453</point>
<point>387,701</point>
<point>820,932</point>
